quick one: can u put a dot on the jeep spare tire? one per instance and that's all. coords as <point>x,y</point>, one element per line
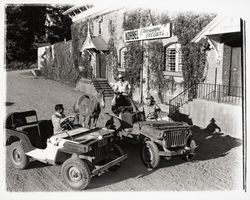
<point>150,154</point>
<point>17,155</point>
<point>76,173</point>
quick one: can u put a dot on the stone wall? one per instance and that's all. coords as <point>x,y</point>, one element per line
<point>228,117</point>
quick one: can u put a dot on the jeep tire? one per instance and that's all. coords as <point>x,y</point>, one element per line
<point>150,154</point>
<point>17,155</point>
<point>117,152</point>
<point>76,173</point>
<point>192,144</point>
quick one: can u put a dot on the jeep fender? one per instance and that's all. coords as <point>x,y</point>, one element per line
<point>13,135</point>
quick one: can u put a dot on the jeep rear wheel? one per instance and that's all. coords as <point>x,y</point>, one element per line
<point>117,152</point>
<point>150,155</point>
<point>17,155</point>
<point>76,173</point>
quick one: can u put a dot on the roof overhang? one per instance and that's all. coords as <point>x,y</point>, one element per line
<point>96,43</point>
<point>218,26</point>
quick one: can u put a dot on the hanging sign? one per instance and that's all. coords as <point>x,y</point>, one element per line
<point>148,33</point>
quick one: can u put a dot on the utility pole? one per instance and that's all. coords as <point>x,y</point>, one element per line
<point>141,73</point>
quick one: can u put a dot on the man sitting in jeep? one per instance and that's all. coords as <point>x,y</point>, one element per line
<point>57,118</point>
<point>151,109</point>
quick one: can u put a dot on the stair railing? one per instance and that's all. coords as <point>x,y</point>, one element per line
<point>210,92</point>
<point>185,96</point>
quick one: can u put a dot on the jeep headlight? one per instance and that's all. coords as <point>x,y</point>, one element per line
<point>164,134</point>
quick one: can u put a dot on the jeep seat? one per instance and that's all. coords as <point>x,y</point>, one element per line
<point>26,122</point>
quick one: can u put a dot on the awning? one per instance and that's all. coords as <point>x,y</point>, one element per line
<point>218,26</point>
<point>94,44</point>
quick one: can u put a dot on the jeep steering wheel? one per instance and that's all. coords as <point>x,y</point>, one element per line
<point>67,122</point>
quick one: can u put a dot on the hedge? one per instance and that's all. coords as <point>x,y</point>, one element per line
<point>59,64</point>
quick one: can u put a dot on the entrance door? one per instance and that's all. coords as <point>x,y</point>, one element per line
<point>235,72</point>
<point>100,65</point>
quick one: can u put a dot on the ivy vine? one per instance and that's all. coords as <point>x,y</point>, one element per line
<point>186,27</point>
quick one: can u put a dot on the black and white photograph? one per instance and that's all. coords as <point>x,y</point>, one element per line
<point>113,96</point>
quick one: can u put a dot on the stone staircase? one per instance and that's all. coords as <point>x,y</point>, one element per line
<point>103,84</point>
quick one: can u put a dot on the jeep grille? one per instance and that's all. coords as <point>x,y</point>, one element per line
<point>175,138</point>
<point>100,153</point>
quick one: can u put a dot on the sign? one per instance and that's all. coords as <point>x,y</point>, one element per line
<point>148,33</point>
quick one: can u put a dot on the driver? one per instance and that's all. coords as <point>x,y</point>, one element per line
<point>151,109</point>
<point>57,118</point>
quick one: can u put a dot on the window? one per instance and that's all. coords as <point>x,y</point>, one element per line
<point>173,57</point>
<point>100,27</point>
<point>123,50</point>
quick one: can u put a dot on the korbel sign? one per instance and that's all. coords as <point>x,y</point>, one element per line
<point>148,33</point>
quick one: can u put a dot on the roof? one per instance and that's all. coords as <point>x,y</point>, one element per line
<point>75,8</point>
<point>100,43</point>
<point>92,11</point>
<point>219,25</point>
<point>95,43</point>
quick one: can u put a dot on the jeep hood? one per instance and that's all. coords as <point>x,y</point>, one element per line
<point>162,125</point>
<point>156,129</point>
<point>80,135</point>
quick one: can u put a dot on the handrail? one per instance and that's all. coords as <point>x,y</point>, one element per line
<point>210,92</point>
<point>185,96</point>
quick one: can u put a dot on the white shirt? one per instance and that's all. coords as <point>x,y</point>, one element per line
<point>56,119</point>
<point>123,87</point>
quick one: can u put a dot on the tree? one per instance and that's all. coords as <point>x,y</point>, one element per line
<point>57,25</point>
<point>25,29</point>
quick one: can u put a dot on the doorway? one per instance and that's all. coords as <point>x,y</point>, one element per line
<point>101,66</point>
<point>235,72</point>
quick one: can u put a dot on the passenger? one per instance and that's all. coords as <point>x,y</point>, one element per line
<point>122,86</point>
<point>151,109</point>
<point>122,92</point>
<point>57,118</point>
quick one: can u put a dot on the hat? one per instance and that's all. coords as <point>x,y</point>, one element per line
<point>212,120</point>
<point>120,76</point>
<point>58,107</point>
<point>150,97</point>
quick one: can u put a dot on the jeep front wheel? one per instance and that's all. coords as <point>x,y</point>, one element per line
<point>17,155</point>
<point>191,144</point>
<point>150,154</point>
<point>76,173</point>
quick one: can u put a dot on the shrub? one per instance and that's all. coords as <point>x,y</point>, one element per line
<point>20,65</point>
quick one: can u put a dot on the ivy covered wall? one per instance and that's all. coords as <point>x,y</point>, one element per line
<point>184,25</point>
<point>57,63</point>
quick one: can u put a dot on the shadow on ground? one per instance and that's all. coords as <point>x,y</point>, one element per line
<point>131,168</point>
<point>213,144</point>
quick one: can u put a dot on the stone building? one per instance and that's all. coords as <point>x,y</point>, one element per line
<point>105,24</point>
<point>220,96</point>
